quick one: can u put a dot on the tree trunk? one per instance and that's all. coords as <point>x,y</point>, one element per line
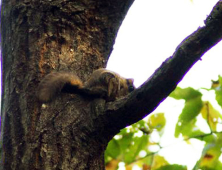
<point>39,37</point>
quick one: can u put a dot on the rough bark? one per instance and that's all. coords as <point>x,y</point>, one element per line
<point>39,37</point>
<point>72,132</point>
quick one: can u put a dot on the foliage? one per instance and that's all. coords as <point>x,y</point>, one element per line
<point>135,144</point>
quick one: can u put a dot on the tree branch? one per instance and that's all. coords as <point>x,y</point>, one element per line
<point>145,99</point>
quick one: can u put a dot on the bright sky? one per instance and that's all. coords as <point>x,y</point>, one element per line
<point>149,34</point>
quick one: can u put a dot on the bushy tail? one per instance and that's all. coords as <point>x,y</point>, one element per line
<point>57,82</point>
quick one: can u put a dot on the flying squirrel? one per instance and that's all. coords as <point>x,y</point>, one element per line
<point>102,83</point>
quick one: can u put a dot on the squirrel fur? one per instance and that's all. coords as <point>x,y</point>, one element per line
<point>102,83</point>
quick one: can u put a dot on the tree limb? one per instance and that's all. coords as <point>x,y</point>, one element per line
<point>145,99</point>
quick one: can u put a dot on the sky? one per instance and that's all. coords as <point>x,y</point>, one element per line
<point>149,34</point>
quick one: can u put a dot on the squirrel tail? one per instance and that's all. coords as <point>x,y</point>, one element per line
<point>57,82</point>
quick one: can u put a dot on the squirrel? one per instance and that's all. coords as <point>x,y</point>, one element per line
<point>102,83</point>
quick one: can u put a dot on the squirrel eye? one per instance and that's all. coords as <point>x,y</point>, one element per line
<point>131,88</point>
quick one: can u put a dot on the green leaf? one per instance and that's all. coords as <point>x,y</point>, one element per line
<point>140,126</point>
<point>191,130</point>
<point>159,161</point>
<point>157,121</point>
<point>173,167</point>
<point>209,138</point>
<point>190,111</point>
<point>210,155</point>
<point>127,144</point>
<point>113,149</point>
<point>211,115</point>
<point>137,144</point>
<point>125,141</point>
<point>218,90</point>
<point>218,165</point>
<point>186,94</point>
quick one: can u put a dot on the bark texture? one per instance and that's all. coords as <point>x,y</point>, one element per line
<point>72,132</point>
<point>43,36</point>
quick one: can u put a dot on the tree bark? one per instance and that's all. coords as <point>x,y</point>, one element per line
<point>39,37</point>
<point>72,132</point>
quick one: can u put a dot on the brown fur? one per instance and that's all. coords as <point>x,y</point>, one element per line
<point>102,83</point>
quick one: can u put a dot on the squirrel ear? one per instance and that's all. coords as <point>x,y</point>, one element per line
<point>131,80</point>
<point>130,85</point>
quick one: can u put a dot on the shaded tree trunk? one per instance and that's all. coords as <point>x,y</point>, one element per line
<point>72,132</point>
<point>40,37</point>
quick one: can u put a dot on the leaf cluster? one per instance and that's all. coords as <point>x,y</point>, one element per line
<point>139,144</point>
